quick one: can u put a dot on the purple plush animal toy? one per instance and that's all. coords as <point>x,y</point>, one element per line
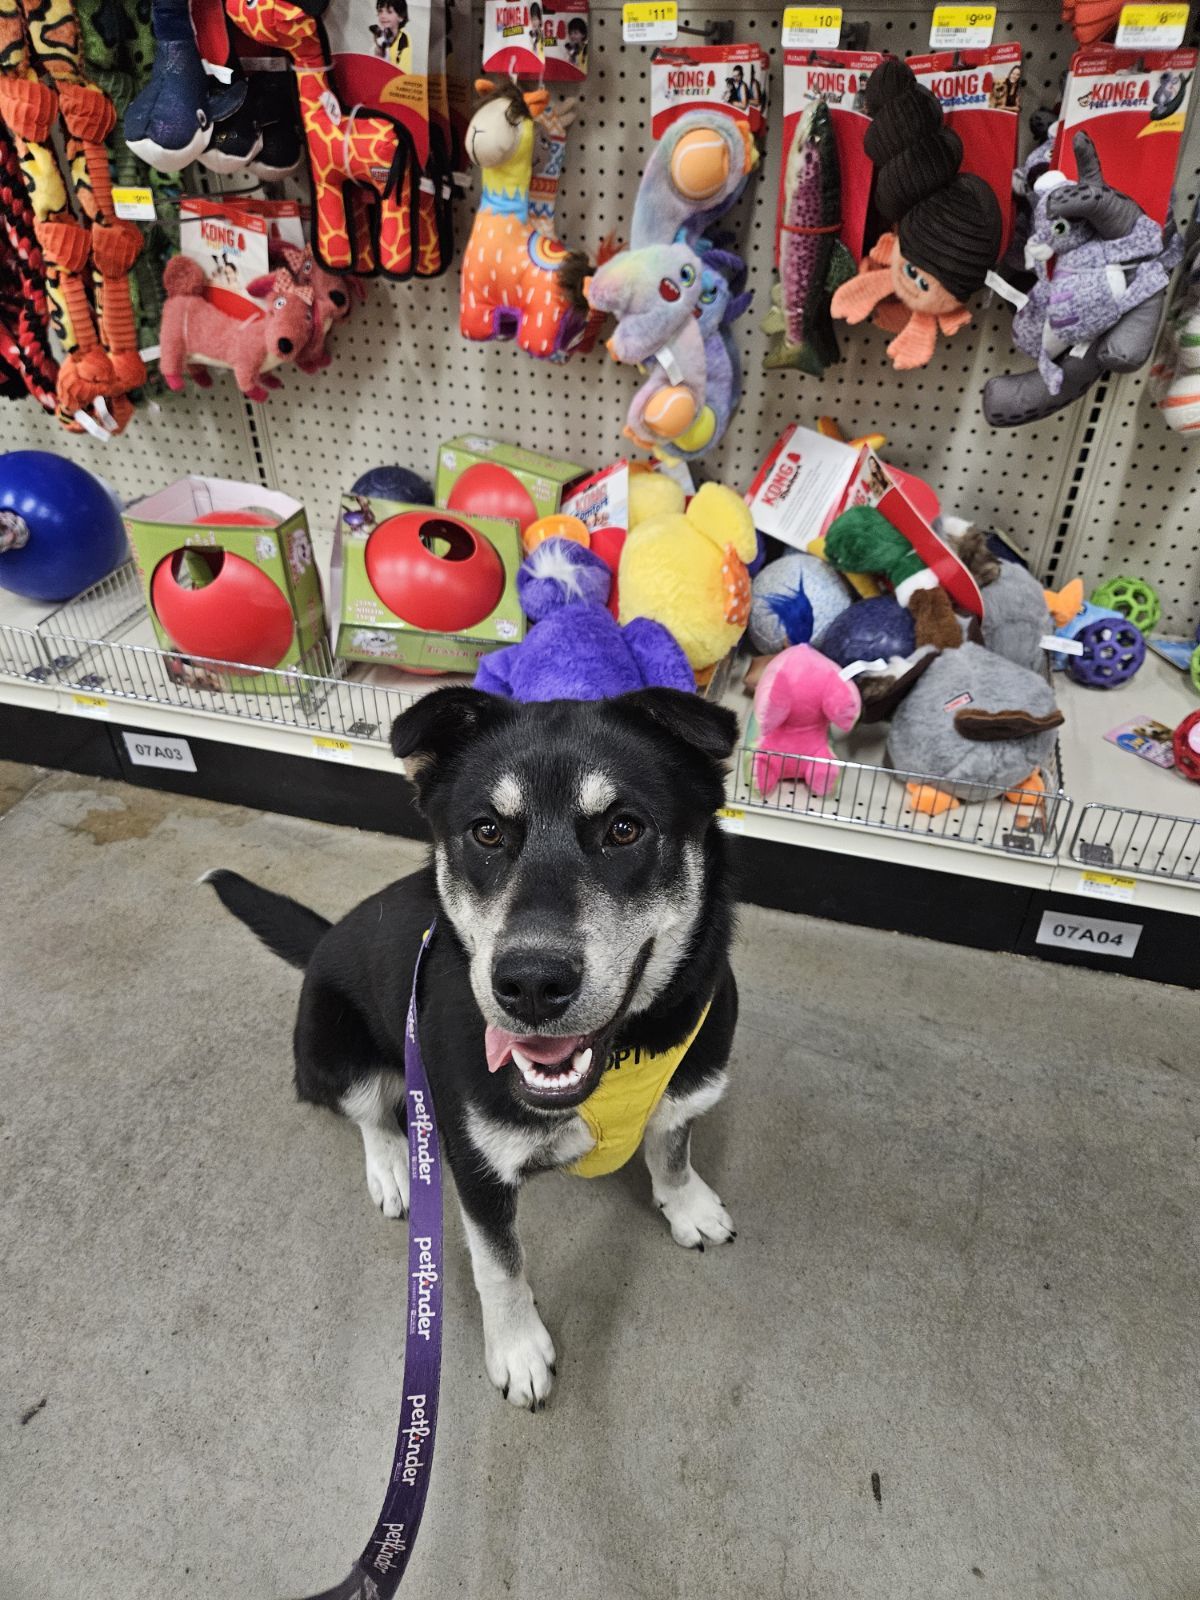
<point>578,650</point>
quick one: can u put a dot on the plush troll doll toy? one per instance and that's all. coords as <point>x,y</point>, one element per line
<point>945,226</point>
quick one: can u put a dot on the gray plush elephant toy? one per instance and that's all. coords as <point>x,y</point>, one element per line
<point>1098,312</point>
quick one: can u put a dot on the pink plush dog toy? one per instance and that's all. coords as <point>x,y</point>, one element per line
<point>191,327</point>
<point>330,299</point>
<point>798,696</point>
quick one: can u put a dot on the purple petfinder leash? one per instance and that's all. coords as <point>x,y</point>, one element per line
<point>377,1573</point>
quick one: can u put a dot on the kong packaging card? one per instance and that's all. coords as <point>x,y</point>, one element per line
<point>229,240</point>
<point>381,62</point>
<point>980,96</point>
<point>837,77</point>
<point>1133,106</point>
<point>686,78</point>
<point>549,40</point>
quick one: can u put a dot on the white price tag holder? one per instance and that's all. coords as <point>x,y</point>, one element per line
<point>962,27</point>
<point>812,27</point>
<point>1064,930</point>
<point>649,21</point>
<point>1152,27</point>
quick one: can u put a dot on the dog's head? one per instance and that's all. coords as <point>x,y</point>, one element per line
<point>569,842</point>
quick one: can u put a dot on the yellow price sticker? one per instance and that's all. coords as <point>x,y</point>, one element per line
<point>334,749</point>
<point>732,819</point>
<point>649,21</point>
<point>811,27</point>
<point>962,27</point>
<point>90,702</point>
<point>1154,27</point>
<point>1108,885</point>
<point>134,205</point>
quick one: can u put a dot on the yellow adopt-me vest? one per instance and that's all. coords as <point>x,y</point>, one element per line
<point>623,1102</point>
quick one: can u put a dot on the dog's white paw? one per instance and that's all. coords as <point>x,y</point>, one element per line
<point>387,1170</point>
<point>520,1361</point>
<point>696,1214</point>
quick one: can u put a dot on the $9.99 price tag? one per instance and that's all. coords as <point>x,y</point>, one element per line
<point>812,27</point>
<point>649,21</point>
<point>962,27</point>
<point>1152,27</point>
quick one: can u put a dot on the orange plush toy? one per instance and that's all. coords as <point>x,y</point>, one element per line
<point>946,225</point>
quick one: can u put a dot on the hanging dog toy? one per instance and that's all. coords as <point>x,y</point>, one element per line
<point>518,281</point>
<point>946,225</point>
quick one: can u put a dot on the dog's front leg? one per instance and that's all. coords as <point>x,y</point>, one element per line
<point>518,1350</point>
<point>693,1209</point>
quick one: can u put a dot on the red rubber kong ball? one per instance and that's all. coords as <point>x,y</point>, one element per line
<point>1185,742</point>
<point>240,615</point>
<point>60,528</point>
<point>434,572</point>
<point>487,490</point>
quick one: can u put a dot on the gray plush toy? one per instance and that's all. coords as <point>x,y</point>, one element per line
<point>1016,617</point>
<point>975,723</point>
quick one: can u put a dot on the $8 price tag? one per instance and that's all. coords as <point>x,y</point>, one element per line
<point>1152,27</point>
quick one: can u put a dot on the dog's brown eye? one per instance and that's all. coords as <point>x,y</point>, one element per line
<point>623,830</point>
<point>488,833</point>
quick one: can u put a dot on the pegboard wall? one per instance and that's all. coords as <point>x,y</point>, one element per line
<point>1101,487</point>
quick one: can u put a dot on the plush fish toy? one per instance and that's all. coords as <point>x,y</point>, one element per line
<point>813,261</point>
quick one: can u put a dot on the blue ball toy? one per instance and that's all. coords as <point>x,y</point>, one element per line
<point>868,630</point>
<point>60,528</point>
<point>394,483</point>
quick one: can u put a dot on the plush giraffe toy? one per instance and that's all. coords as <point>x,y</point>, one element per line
<point>364,167</point>
<point>41,80</point>
<point>517,281</point>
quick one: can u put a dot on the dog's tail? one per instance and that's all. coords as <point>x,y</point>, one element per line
<point>285,926</point>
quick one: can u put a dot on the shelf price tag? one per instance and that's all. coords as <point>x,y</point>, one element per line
<point>1108,885</point>
<point>1152,27</point>
<point>333,749</point>
<point>134,205</point>
<point>812,27</point>
<point>649,21</point>
<point>90,704</point>
<point>732,819</point>
<point>962,27</point>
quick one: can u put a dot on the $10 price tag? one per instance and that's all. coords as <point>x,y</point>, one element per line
<point>1152,27</point>
<point>812,27</point>
<point>649,21</point>
<point>962,27</point>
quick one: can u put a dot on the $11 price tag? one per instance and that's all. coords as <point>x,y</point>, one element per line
<point>812,27</point>
<point>649,21</point>
<point>962,27</point>
<point>1152,27</point>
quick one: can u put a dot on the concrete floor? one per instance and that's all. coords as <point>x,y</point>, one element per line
<point>966,1193</point>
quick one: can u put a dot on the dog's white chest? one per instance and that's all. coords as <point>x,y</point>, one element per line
<point>510,1151</point>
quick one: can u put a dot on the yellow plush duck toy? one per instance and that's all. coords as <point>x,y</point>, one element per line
<point>687,569</point>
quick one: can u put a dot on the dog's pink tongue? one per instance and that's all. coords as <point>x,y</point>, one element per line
<point>498,1043</point>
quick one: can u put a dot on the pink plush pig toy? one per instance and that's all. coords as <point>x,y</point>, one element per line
<point>798,696</point>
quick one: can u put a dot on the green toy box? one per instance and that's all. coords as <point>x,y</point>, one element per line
<point>480,477</point>
<point>428,573</point>
<point>220,588</point>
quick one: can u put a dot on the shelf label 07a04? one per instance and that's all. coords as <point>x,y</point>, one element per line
<point>1064,930</point>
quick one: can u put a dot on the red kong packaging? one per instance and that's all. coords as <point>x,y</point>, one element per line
<point>687,78</point>
<point>837,77</point>
<point>1133,105</point>
<point>980,95</point>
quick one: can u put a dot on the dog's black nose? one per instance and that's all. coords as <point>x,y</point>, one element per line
<point>535,986</point>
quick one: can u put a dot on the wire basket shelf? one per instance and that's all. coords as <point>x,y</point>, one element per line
<point>1150,843</point>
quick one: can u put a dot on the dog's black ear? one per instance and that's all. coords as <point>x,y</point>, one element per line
<point>442,724</point>
<point>709,728</point>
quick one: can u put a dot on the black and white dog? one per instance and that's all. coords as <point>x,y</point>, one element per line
<point>584,918</point>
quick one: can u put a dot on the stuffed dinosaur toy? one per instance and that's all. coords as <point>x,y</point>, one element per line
<point>1103,267</point>
<point>578,650</point>
<point>944,226</point>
